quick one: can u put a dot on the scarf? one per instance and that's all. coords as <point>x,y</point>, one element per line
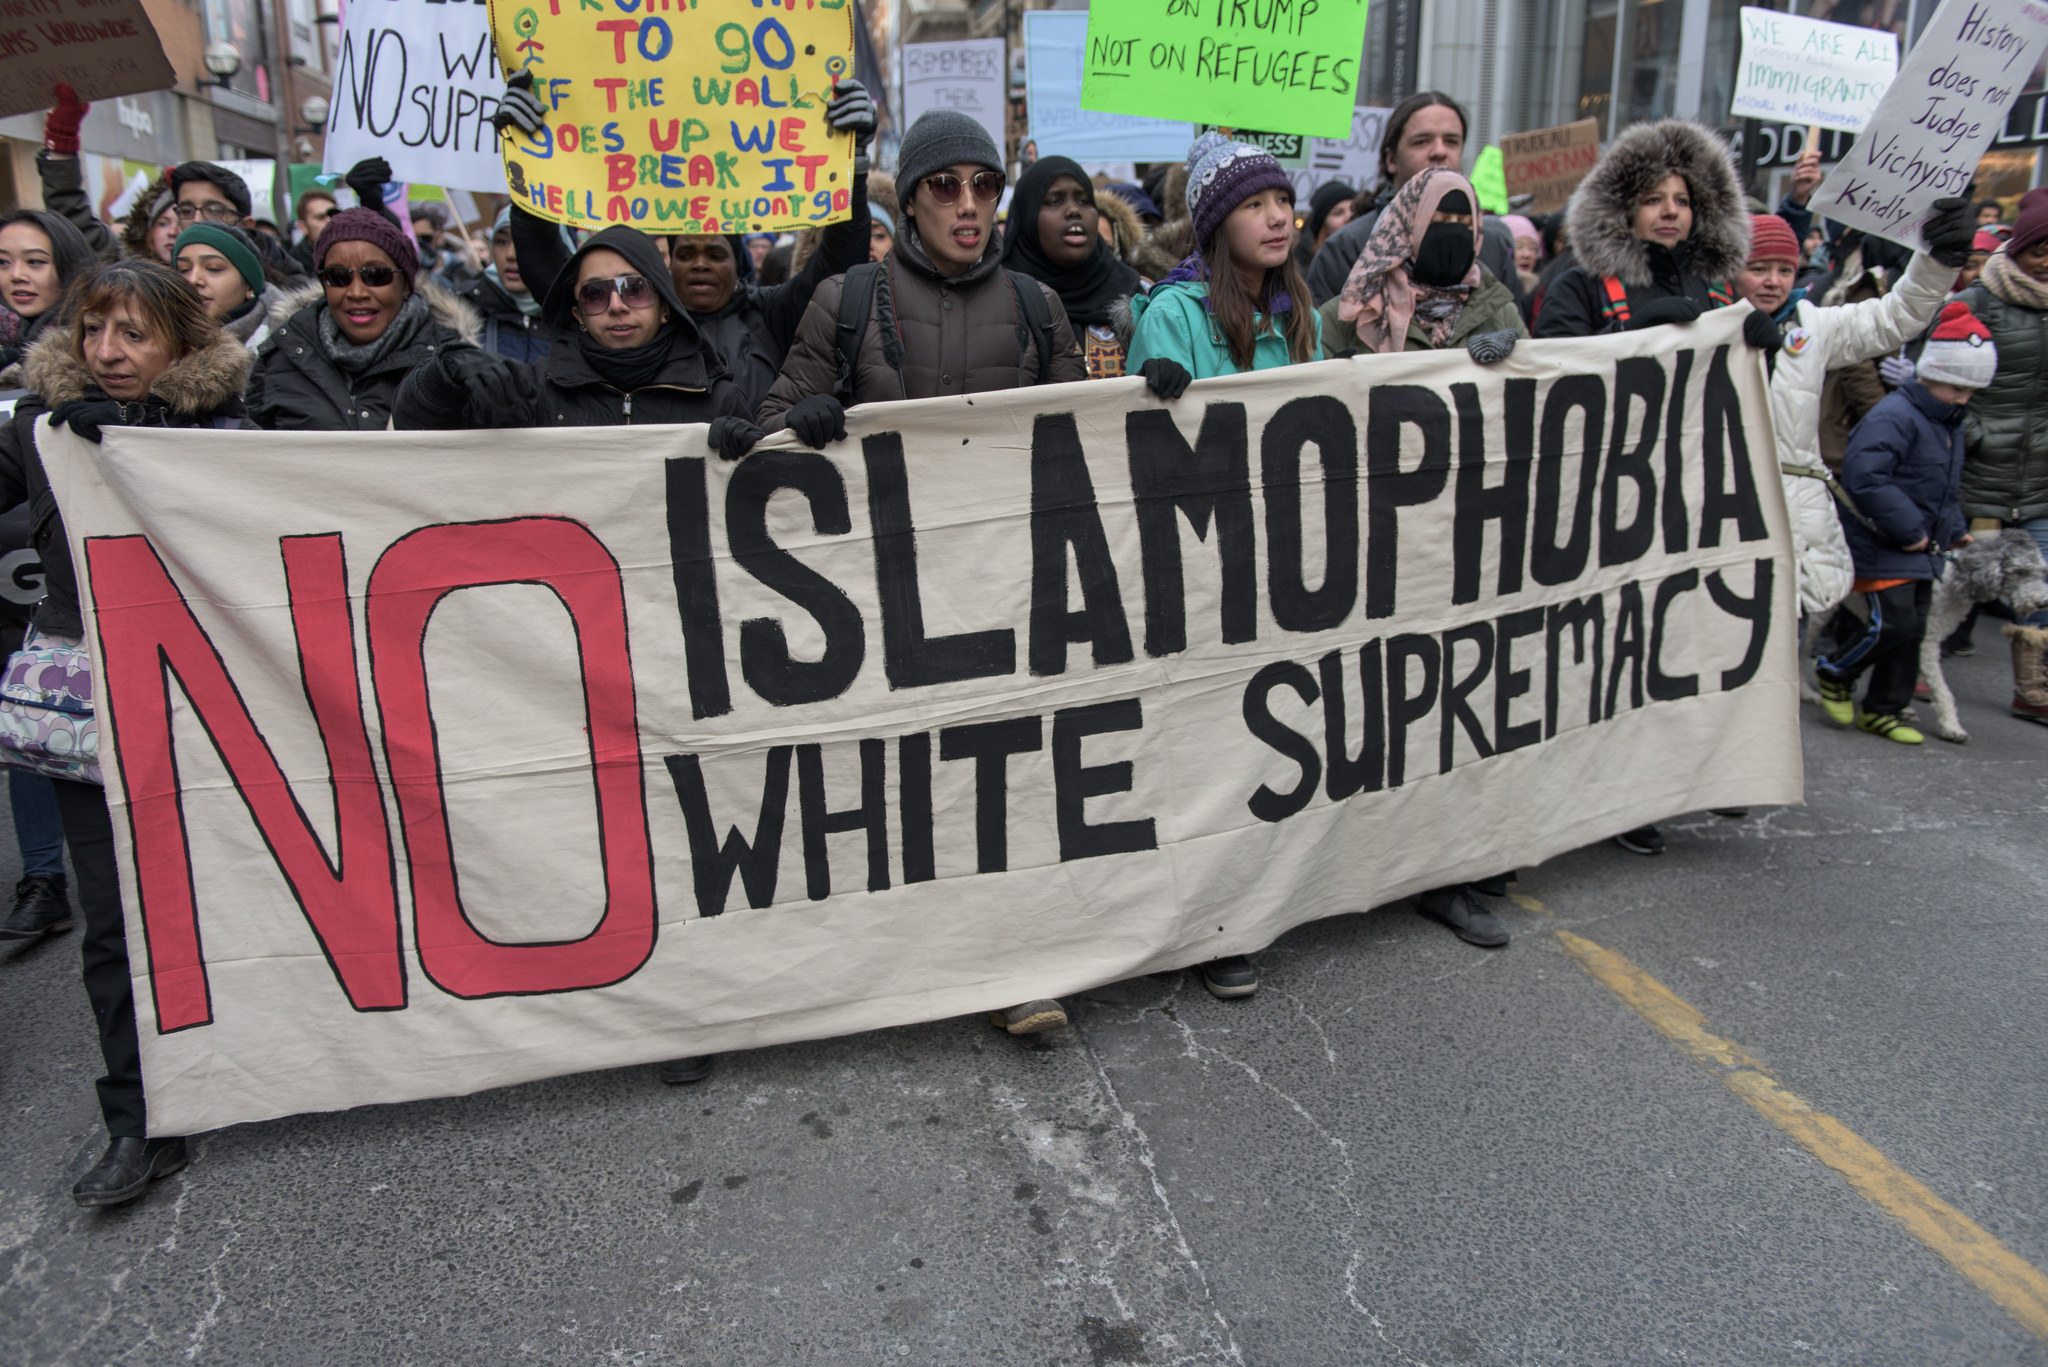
<point>1086,290</point>
<point>2013,285</point>
<point>633,367</point>
<point>358,360</point>
<point>528,305</point>
<point>1378,297</point>
<point>1193,269</point>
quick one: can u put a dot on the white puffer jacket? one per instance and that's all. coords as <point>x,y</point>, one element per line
<point>1820,340</point>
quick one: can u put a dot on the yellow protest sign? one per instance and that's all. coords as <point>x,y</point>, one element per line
<point>680,116</point>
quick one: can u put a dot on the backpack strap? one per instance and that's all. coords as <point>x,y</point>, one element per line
<point>856,301</point>
<point>1615,310</point>
<point>1034,320</point>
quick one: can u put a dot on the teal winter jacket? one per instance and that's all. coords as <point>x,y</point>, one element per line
<point>1172,323</point>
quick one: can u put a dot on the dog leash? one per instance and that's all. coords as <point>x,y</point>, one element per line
<point>1827,477</point>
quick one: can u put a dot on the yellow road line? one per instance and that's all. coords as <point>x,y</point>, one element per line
<point>2016,1285</point>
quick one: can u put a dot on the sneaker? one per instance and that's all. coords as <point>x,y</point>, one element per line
<point>679,1071</point>
<point>1642,840</point>
<point>1838,700</point>
<point>40,908</point>
<point>1230,977</point>
<point>1890,725</point>
<point>1030,1018</point>
<point>1468,919</point>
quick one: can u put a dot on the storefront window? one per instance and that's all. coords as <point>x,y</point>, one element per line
<point>1596,62</point>
<point>1717,64</point>
<point>1651,76</point>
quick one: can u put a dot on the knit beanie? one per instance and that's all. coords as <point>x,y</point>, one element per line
<point>1959,350</point>
<point>230,184</point>
<point>1771,239</point>
<point>2030,224</point>
<point>232,243</point>
<point>1520,226</point>
<point>502,221</point>
<point>883,217</point>
<point>1222,175</point>
<point>367,225</point>
<point>1328,196</point>
<point>1985,241</point>
<point>941,138</point>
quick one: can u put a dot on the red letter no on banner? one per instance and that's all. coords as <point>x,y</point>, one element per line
<point>410,580</point>
<point>146,630</point>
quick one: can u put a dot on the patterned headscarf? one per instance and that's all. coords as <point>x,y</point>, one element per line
<point>1379,297</point>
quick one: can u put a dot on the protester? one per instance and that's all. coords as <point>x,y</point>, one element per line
<point>2005,480</point>
<point>222,265</point>
<point>758,247</point>
<point>511,312</point>
<point>134,347</point>
<point>1868,269</point>
<point>150,228</point>
<point>63,175</point>
<point>1139,203</point>
<point>1116,220</point>
<point>1528,248</point>
<point>954,319</point>
<point>338,349</point>
<point>1329,209</point>
<point>1426,129</point>
<point>205,192</point>
<point>1989,213</point>
<point>1981,248</point>
<point>41,253</point>
<point>313,210</point>
<point>881,232</point>
<point>1055,238</point>
<point>1903,471</point>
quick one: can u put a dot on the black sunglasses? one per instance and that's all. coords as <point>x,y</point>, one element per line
<point>945,186</point>
<point>338,277</point>
<point>595,296</point>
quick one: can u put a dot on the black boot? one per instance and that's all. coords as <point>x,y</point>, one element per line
<point>1467,918</point>
<point>1642,840</point>
<point>128,1168</point>
<point>678,1071</point>
<point>40,908</point>
<point>1232,976</point>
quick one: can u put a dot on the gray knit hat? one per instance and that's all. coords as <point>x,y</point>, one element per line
<point>941,138</point>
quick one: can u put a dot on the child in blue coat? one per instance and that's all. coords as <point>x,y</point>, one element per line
<point>1903,468</point>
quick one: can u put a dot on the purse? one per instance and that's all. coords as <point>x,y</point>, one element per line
<point>46,709</point>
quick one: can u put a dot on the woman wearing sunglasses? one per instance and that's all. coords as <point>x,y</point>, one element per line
<point>339,349</point>
<point>951,312</point>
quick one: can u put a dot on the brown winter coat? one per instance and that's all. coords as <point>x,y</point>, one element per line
<point>960,335</point>
<point>1853,390</point>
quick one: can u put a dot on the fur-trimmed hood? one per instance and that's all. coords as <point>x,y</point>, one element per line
<point>1130,229</point>
<point>193,386</point>
<point>1601,215</point>
<point>444,306</point>
<point>1169,245</point>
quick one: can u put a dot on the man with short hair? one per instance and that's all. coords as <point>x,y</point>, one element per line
<point>313,210</point>
<point>204,192</point>
<point>502,297</point>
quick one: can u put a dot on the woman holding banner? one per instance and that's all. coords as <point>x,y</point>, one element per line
<point>134,348</point>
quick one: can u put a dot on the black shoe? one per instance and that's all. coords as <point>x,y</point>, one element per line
<point>1730,813</point>
<point>1468,920</point>
<point>678,1071</point>
<point>40,908</point>
<point>1642,840</point>
<point>1230,977</point>
<point>129,1166</point>
<point>1496,886</point>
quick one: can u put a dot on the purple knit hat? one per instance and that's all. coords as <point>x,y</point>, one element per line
<point>367,225</point>
<point>1222,175</point>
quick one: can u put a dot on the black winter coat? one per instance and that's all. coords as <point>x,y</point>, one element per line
<point>2006,476</point>
<point>200,390</point>
<point>505,327</point>
<point>1575,303</point>
<point>1903,466</point>
<point>297,387</point>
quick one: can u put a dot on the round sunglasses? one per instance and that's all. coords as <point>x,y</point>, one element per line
<point>595,296</point>
<point>945,186</point>
<point>338,277</point>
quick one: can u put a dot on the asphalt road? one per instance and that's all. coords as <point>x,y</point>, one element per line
<point>1404,1150</point>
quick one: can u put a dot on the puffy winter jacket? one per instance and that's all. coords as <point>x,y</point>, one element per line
<point>64,194</point>
<point>1172,323</point>
<point>297,387</point>
<point>1332,265</point>
<point>1902,468</point>
<point>203,389</point>
<point>1490,309</point>
<point>961,334</point>
<point>2006,476</point>
<point>1817,341</point>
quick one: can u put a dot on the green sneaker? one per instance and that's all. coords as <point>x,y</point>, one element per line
<point>1838,700</point>
<point>1890,725</point>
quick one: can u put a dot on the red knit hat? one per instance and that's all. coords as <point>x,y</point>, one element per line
<point>2030,224</point>
<point>1771,239</point>
<point>1959,350</point>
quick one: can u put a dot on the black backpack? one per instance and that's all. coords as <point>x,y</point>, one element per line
<point>856,302</point>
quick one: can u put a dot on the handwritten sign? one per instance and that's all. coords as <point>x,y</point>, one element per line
<point>416,83</point>
<point>1810,71</point>
<point>1952,96</point>
<point>1550,162</point>
<point>100,48</point>
<point>680,116</point>
<point>1055,42</point>
<point>967,77</point>
<point>1288,66</point>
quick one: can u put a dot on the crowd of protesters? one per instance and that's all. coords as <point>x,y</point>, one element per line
<point>1900,384</point>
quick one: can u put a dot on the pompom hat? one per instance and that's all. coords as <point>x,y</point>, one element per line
<point>1959,351</point>
<point>1222,175</point>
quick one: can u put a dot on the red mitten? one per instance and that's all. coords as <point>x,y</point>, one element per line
<point>60,125</point>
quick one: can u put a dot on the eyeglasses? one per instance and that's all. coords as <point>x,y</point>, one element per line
<point>595,296</point>
<point>945,186</point>
<point>338,277</point>
<point>212,213</point>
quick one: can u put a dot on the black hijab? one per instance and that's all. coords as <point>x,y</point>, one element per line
<point>1086,290</point>
<point>629,368</point>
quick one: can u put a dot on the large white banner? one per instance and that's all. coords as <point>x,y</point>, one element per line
<point>416,83</point>
<point>444,762</point>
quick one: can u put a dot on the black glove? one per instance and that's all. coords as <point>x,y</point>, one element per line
<point>1166,378</point>
<point>1488,347</point>
<point>817,420</point>
<point>518,107</point>
<point>87,416</point>
<point>1760,330</point>
<point>733,436</point>
<point>1672,309</point>
<point>368,178</point>
<point>1949,232</point>
<point>497,392</point>
<point>851,111</point>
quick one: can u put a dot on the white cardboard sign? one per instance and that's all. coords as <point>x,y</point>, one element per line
<point>1811,71</point>
<point>416,83</point>
<point>968,77</point>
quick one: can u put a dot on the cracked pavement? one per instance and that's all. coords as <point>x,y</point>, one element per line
<point>1404,1150</point>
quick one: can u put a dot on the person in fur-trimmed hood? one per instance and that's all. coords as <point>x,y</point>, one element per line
<point>1658,228</point>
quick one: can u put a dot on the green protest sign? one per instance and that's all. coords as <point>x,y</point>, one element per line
<point>1287,66</point>
<point>1490,181</point>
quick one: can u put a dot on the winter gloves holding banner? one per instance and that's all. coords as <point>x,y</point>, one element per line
<point>851,111</point>
<point>483,387</point>
<point>817,421</point>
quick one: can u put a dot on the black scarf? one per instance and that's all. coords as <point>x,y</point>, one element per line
<point>1086,290</point>
<point>633,367</point>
